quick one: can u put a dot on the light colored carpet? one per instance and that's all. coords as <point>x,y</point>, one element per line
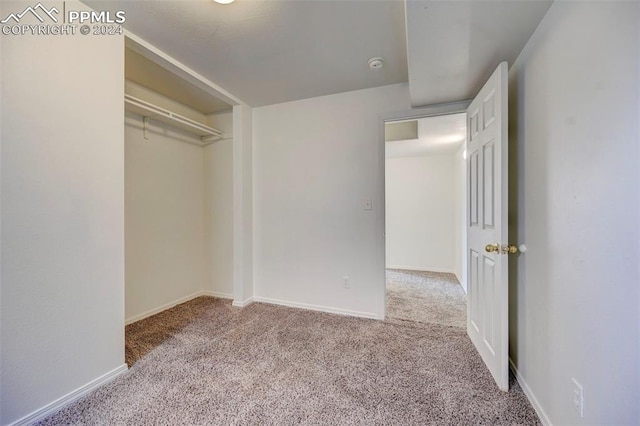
<point>426,297</point>
<point>271,365</point>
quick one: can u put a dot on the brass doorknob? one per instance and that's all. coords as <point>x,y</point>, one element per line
<point>502,249</point>
<point>492,248</point>
<point>509,249</point>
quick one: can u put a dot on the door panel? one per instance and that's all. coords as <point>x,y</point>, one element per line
<point>488,197</point>
<point>474,259</point>
<point>489,282</point>
<point>487,319</point>
<point>474,186</point>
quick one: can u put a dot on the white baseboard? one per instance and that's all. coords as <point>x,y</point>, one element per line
<point>60,403</point>
<point>421,269</point>
<point>169,305</point>
<point>327,309</point>
<point>464,287</point>
<point>239,304</point>
<point>217,294</point>
<point>530,396</point>
<point>159,309</point>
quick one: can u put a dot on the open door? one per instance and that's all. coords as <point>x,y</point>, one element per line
<point>487,167</point>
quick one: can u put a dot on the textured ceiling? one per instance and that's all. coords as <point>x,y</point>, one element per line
<point>454,46</point>
<point>270,51</point>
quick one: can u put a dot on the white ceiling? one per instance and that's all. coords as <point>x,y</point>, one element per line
<point>454,46</point>
<point>271,51</point>
<point>436,135</point>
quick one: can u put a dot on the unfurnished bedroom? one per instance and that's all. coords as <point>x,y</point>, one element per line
<point>319,212</point>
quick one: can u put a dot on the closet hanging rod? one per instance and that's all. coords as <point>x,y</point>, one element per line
<point>147,109</point>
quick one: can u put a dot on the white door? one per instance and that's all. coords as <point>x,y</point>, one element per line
<point>487,167</point>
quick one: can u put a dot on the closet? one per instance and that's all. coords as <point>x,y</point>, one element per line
<point>178,190</point>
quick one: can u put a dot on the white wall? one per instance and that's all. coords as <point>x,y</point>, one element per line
<point>243,287</point>
<point>420,201</point>
<point>164,216</point>
<point>218,187</point>
<point>460,216</point>
<point>62,312</point>
<point>575,188</point>
<point>316,161</point>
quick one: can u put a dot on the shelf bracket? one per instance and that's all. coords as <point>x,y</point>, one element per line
<point>145,123</point>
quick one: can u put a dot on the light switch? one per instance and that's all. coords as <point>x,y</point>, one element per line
<point>367,205</point>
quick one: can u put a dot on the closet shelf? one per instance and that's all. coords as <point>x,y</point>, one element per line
<point>148,110</point>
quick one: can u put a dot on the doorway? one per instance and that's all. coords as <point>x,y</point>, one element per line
<point>425,202</point>
<point>485,217</point>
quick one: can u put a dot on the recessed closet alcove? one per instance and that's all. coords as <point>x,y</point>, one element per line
<point>178,186</point>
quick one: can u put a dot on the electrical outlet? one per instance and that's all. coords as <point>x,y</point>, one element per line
<point>578,397</point>
<point>347,282</point>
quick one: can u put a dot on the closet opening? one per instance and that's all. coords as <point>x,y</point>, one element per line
<point>178,197</point>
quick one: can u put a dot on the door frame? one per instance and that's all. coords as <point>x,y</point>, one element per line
<point>412,114</point>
